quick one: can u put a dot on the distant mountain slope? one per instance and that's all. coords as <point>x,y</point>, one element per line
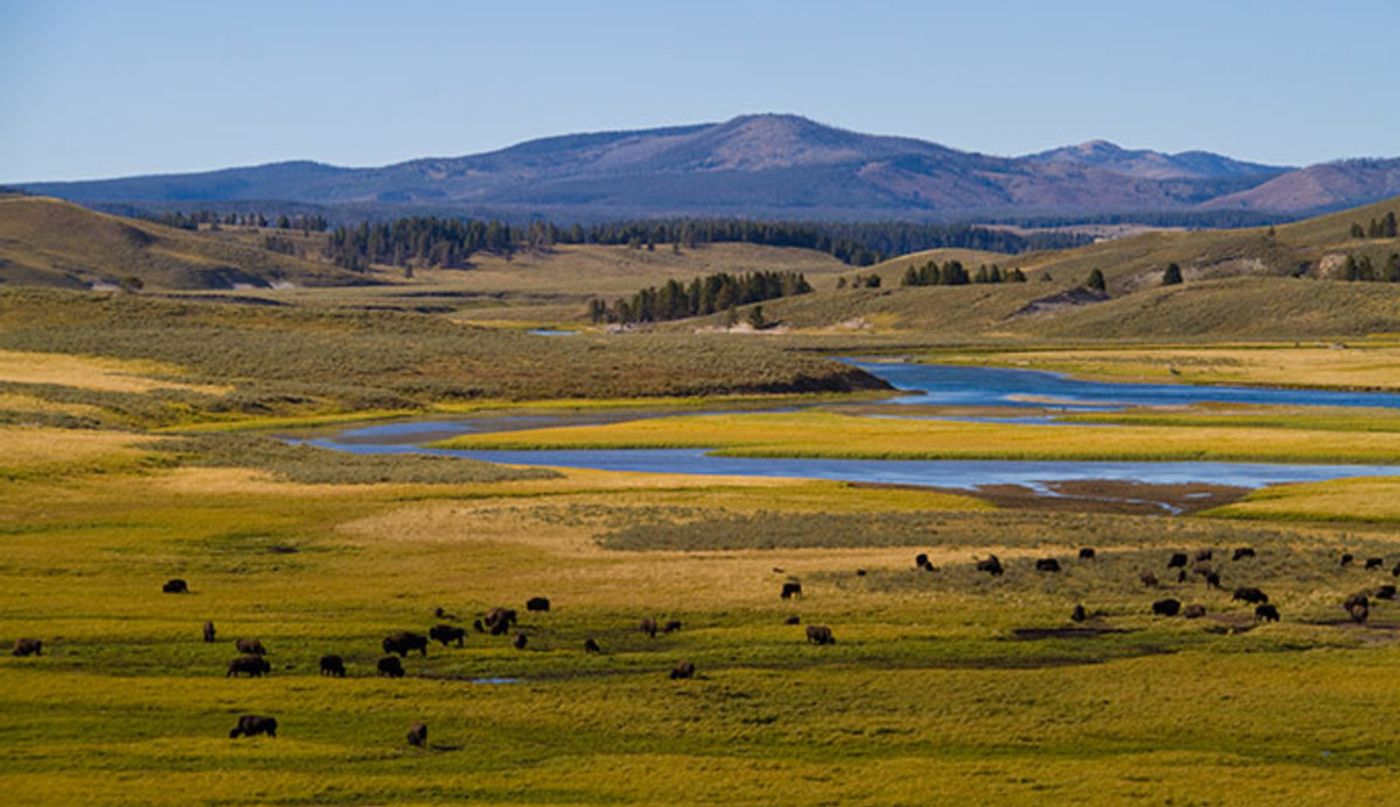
<point>52,243</point>
<point>770,166</point>
<point>1330,185</point>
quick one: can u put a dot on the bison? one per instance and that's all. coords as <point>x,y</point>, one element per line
<point>1266,613</point>
<point>390,666</point>
<point>209,632</point>
<point>446,634</point>
<point>1359,612</point>
<point>1253,596</point>
<point>1204,555</point>
<point>992,566</point>
<point>1148,579</point>
<point>791,589</point>
<point>520,641</point>
<point>477,626</point>
<point>1213,579</point>
<point>793,620</point>
<point>251,647</point>
<point>1359,598</point>
<point>1385,593</point>
<point>253,725</point>
<point>418,735</point>
<point>175,585</point>
<point>29,647</point>
<point>1087,553</point>
<point>1243,552</point>
<point>1177,561</point>
<point>1374,563</point>
<point>1194,611</point>
<point>1167,607</point>
<point>499,620</point>
<point>537,604</point>
<point>252,666</point>
<point>820,634</point>
<point>590,645</point>
<point>683,669</point>
<point>1078,614</point>
<point>333,666</point>
<point>441,614</point>
<point>1346,559</point>
<point>671,626</point>
<point>1047,565</point>
<point>921,560</point>
<point>649,627</point>
<point>403,642</point>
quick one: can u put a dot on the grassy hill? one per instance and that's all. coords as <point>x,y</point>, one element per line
<point>53,243</point>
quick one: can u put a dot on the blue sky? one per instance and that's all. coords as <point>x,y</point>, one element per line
<point>92,89</point>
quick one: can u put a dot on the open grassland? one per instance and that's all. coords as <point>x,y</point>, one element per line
<point>825,434</point>
<point>929,696</point>
<point>1343,500</point>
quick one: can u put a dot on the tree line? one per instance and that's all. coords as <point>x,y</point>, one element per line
<point>307,223</point>
<point>1383,227</point>
<point>953,273</point>
<point>702,296</point>
<point>1364,270</point>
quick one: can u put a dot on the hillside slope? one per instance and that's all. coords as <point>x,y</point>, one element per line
<point>53,243</point>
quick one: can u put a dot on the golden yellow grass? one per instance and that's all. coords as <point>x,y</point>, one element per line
<point>1366,499</point>
<point>94,373</point>
<point>27,447</point>
<point>824,434</point>
<point>1358,366</point>
<point>19,402</point>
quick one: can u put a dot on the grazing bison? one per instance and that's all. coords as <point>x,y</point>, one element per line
<point>1396,571</point>
<point>499,620</point>
<point>29,647</point>
<point>1177,561</point>
<point>403,642</point>
<point>418,735</point>
<point>441,614</point>
<point>1242,553</point>
<point>1181,576</point>
<point>477,626</point>
<point>1359,612</point>
<point>1253,596</point>
<point>1266,613</point>
<point>520,641</point>
<point>252,666</point>
<point>1213,579</point>
<point>591,646</point>
<point>333,666</point>
<point>251,647</point>
<point>921,560</point>
<point>209,632</point>
<point>1079,614</point>
<point>1087,553</point>
<point>1194,611</point>
<point>671,626</point>
<point>1148,579</point>
<point>1167,607</point>
<point>175,586</point>
<point>390,666</point>
<point>1385,593</point>
<point>791,589</point>
<point>683,669</point>
<point>820,634</point>
<point>992,566</point>
<point>1359,598</point>
<point>253,725</point>
<point>446,634</point>
<point>1047,565</point>
<point>793,620</point>
<point>649,627</point>
<point>1374,563</point>
<point>1204,555</point>
<point>537,604</point>
<point>1346,559</point>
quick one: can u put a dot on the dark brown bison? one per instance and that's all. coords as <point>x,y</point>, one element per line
<point>333,666</point>
<point>992,566</point>
<point>418,735</point>
<point>1148,579</point>
<point>1087,553</point>
<point>446,634</point>
<point>477,626</point>
<point>1177,561</point>
<point>390,666</point>
<point>1385,593</point>
<point>671,626</point>
<point>683,669</point>
<point>1396,571</point>
<point>209,632</point>
<point>1374,563</point>
<point>1167,607</point>
<point>537,604</point>
<point>1243,552</point>
<point>441,614</point>
<point>860,573</point>
<point>1181,576</point>
<point>251,647</point>
<point>1253,596</point>
<point>520,641</point>
<point>1213,579</point>
<point>252,666</point>
<point>921,560</point>
<point>820,634</point>
<point>175,586</point>
<point>403,642</point>
<point>1194,611</point>
<point>1346,559</point>
<point>793,620</point>
<point>1266,613</point>
<point>649,627</point>
<point>1047,565</point>
<point>29,647</point>
<point>590,645</point>
<point>1079,614</point>
<point>499,620</point>
<point>1359,598</point>
<point>1204,555</point>
<point>791,589</point>
<point>1359,612</point>
<point>253,725</point>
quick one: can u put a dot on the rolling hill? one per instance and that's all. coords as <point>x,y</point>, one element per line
<point>761,166</point>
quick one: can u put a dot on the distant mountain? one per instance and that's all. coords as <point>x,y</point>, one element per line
<point>1319,187</point>
<point>772,166</point>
